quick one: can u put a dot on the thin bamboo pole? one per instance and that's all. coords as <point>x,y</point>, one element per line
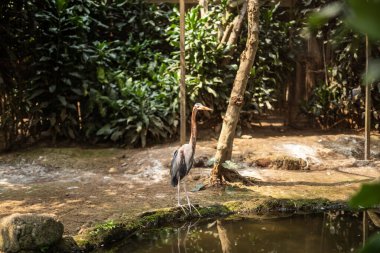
<point>183,73</point>
<point>367,149</point>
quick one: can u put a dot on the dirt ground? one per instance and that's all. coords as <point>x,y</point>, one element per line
<point>84,186</point>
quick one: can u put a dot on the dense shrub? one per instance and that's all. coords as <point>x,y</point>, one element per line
<point>339,98</point>
<point>207,80</point>
<point>274,61</point>
<point>87,69</point>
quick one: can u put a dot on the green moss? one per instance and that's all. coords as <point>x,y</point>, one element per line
<point>215,210</point>
<point>108,225</point>
<point>234,206</point>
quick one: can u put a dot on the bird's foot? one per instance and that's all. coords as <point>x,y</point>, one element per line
<point>183,207</point>
<point>191,205</point>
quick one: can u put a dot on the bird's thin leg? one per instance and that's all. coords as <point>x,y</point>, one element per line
<point>179,203</point>
<point>187,195</point>
<point>188,200</point>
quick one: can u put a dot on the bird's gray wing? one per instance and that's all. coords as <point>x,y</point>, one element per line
<point>178,166</point>
<point>172,172</point>
<point>189,157</point>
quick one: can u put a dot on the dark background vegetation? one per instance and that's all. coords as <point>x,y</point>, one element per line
<point>95,71</point>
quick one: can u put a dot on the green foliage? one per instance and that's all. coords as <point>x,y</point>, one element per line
<point>367,197</point>
<point>338,98</point>
<point>332,104</point>
<point>89,69</point>
<point>373,245</point>
<point>204,54</point>
<point>106,226</point>
<point>140,111</point>
<point>317,19</point>
<point>136,95</point>
<point>60,78</point>
<point>364,16</point>
<point>273,62</point>
<point>17,114</point>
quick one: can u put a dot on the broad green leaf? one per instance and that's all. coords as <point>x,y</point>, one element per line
<point>101,74</point>
<point>45,58</point>
<point>105,130</point>
<point>61,5</point>
<point>319,18</point>
<point>77,91</point>
<point>52,88</point>
<point>364,16</point>
<point>62,100</point>
<point>373,245</point>
<point>367,197</point>
<point>36,93</point>
<point>76,74</point>
<point>71,133</point>
<point>130,119</point>
<point>213,92</point>
<point>373,72</point>
<point>116,135</point>
<point>139,127</point>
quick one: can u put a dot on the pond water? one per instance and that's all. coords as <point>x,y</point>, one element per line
<point>312,233</point>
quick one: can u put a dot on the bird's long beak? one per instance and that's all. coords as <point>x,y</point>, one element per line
<point>204,108</point>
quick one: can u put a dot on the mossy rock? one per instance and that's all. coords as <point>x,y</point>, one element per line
<point>289,163</point>
<point>283,163</point>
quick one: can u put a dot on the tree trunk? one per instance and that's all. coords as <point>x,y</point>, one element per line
<point>233,32</point>
<point>204,7</point>
<point>224,149</point>
<point>237,24</point>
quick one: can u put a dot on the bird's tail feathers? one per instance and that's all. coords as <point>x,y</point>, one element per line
<point>174,180</point>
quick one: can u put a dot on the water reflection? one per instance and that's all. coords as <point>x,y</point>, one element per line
<point>223,237</point>
<point>318,233</point>
<point>182,233</point>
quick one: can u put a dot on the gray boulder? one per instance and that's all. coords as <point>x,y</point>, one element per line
<point>28,232</point>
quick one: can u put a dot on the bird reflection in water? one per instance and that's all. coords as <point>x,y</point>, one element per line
<point>182,233</point>
<point>185,230</point>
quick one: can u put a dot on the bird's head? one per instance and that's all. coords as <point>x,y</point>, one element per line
<point>200,107</point>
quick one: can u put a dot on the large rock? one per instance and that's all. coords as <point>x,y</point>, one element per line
<point>26,232</point>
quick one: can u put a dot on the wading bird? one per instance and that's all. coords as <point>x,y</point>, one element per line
<point>184,156</point>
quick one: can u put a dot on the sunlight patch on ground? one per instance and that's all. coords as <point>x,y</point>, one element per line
<point>300,151</point>
<point>251,172</point>
<point>154,173</point>
<point>26,174</point>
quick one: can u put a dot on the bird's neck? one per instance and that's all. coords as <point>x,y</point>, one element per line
<point>193,136</point>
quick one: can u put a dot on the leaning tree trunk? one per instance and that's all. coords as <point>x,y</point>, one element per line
<point>224,149</point>
<point>232,33</point>
<point>204,7</point>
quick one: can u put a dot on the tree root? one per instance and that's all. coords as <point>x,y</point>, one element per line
<point>233,176</point>
<point>229,176</point>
